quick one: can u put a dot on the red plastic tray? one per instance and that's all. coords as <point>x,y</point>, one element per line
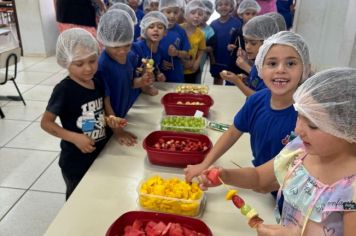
<point>117,228</point>
<point>174,158</point>
<point>171,107</point>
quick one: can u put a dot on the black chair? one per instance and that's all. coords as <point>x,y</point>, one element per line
<point>8,58</point>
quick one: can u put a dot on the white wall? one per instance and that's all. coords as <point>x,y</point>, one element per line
<point>329,27</point>
<point>37,27</point>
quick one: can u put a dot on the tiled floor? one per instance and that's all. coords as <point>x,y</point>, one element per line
<point>31,185</point>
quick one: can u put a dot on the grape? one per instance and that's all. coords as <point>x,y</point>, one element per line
<point>183,123</point>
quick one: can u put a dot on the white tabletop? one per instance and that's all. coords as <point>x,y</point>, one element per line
<point>109,188</point>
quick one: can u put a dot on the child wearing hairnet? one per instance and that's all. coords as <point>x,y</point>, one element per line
<point>78,101</point>
<point>209,35</point>
<point>246,11</point>
<point>194,14</point>
<point>153,27</point>
<point>268,115</point>
<point>175,44</point>
<point>135,5</point>
<point>255,31</point>
<point>150,5</point>
<point>316,172</point>
<point>117,65</point>
<point>223,27</point>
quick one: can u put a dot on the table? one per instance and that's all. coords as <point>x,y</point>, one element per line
<point>109,188</point>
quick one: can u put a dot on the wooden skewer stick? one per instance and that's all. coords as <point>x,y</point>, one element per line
<point>235,164</point>
<point>227,187</point>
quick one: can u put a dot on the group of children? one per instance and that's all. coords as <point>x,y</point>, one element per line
<point>315,172</point>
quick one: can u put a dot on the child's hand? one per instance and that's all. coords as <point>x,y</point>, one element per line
<point>167,65</point>
<point>125,137</point>
<point>231,47</point>
<point>84,143</point>
<point>147,79</point>
<point>188,64</point>
<point>210,178</point>
<point>192,171</point>
<point>161,77</point>
<point>229,76</point>
<point>277,230</point>
<point>209,49</point>
<point>115,122</point>
<point>172,51</point>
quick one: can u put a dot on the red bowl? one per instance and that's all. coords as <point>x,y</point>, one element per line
<point>171,107</point>
<point>175,158</point>
<point>117,228</point>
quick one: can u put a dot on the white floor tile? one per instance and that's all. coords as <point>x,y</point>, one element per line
<point>31,112</point>
<point>9,88</point>
<point>51,180</point>
<point>32,215</point>
<point>10,128</point>
<point>19,168</point>
<point>51,67</point>
<point>55,78</point>
<point>39,93</point>
<point>8,197</point>
<point>33,137</point>
<point>29,77</point>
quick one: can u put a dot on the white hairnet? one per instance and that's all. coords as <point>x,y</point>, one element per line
<point>279,20</point>
<point>73,45</point>
<point>127,8</point>
<point>194,5</point>
<point>285,38</point>
<point>139,2</point>
<point>115,29</point>
<point>328,100</point>
<point>260,27</point>
<point>150,18</point>
<point>209,6</point>
<point>232,2</point>
<point>248,5</point>
<point>163,4</point>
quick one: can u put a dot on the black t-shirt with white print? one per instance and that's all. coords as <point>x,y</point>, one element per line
<point>80,110</point>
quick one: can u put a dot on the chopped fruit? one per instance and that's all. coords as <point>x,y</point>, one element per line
<point>230,194</point>
<point>245,209</point>
<point>213,176</point>
<point>255,221</point>
<point>238,202</point>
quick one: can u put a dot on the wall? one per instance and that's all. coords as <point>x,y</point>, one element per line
<point>37,27</point>
<point>329,27</point>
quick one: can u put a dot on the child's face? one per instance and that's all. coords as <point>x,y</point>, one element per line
<point>133,3</point>
<point>282,71</point>
<point>119,54</point>
<point>155,32</point>
<point>83,70</point>
<point>316,141</point>
<point>195,17</point>
<point>224,7</point>
<point>252,46</point>
<point>172,14</point>
<point>154,6</point>
<point>248,15</point>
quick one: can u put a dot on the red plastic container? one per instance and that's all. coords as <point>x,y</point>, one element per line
<point>175,158</point>
<point>171,107</point>
<point>117,228</point>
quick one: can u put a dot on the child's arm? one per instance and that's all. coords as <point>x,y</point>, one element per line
<point>122,136</point>
<point>237,80</point>
<point>145,80</point>
<point>174,52</point>
<point>242,61</point>
<point>196,64</point>
<point>80,140</point>
<point>223,144</point>
<point>349,223</point>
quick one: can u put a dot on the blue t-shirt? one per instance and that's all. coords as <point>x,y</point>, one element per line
<point>177,37</point>
<point>254,82</point>
<point>118,81</point>
<point>268,128</point>
<point>141,50</point>
<point>223,32</point>
<point>283,8</point>
<point>137,29</point>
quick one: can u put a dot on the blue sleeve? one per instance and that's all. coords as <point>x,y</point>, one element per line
<point>241,119</point>
<point>103,70</point>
